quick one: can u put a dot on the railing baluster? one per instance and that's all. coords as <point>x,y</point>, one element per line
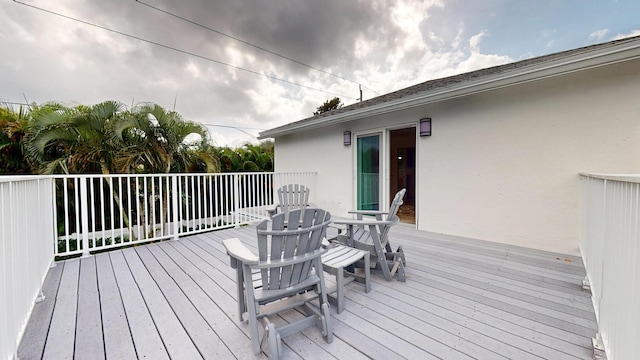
<point>163,188</point>
<point>84,217</point>
<point>92,221</point>
<point>129,216</point>
<point>102,211</point>
<point>236,199</point>
<point>181,196</point>
<point>174,205</point>
<point>199,200</point>
<point>130,204</point>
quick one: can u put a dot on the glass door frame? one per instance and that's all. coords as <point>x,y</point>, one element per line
<point>385,158</point>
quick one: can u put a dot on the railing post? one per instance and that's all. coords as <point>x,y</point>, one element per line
<point>236,200</point>
<point>84,216</point>
<point>54,206</point>
<point>175,197</point>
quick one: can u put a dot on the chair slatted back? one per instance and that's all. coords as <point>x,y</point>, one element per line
<point>362,234</point>
<point>298,240</point>
<point>293,196</point>
<point>393,213</point>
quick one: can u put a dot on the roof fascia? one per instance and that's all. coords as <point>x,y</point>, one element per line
<point>536,72</point>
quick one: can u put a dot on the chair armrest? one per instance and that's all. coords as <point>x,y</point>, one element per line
<point>363,222</point>
<point>272,211</point>
<point>368,212</point>
<point>238,252</point>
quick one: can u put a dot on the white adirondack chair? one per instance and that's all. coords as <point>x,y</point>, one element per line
<point>373,235</point>
<point>286,274</point>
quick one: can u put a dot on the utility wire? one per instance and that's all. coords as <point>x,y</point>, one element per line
<point>250,44</point>
<point>179,50</point>
<point>234,127</point>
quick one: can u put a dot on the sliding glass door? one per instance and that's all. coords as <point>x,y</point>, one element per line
<point>369,172</point>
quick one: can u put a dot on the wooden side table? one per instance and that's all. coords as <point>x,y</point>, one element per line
<point>335,261</point>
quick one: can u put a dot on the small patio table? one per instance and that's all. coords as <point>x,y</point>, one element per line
<point>335,261</point>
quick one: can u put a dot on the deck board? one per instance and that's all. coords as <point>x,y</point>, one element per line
<point>61,337</point>
<point>463,299</point>
<point>474,319</point>
<point>144,333</point>
<point>118,344</point>
<point>89,337</point>
<point>174,335</point>
<point>35,336</point>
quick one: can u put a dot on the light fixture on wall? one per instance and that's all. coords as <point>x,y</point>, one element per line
<point>425,127</point>
<point>346,138</point>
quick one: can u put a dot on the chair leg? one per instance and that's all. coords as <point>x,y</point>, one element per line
<point>340,289</point>
<point>252,308</point>
<point>273,339</point>
<point>401,275</point>
<point>401,252</point>
<point>398,267</point>
<point>367,273</point>
<point>327,324</point>
<point>242,301</point>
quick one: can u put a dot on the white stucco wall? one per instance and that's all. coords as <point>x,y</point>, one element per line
<point>501,166</point>
<point>321,151</point>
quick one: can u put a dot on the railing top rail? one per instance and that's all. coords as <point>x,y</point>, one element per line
<point>10,178</point>
<point>632,178</point>
<point>14,178</point>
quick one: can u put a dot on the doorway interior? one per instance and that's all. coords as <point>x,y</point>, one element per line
<point>402,170</point>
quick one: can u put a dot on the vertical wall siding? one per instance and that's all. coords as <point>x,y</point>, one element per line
<point>610,247</point>
<point>26,252</point>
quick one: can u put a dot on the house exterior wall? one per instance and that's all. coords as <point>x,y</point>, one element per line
<point>502,165</point>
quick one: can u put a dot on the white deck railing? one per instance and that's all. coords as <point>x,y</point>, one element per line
<point>95,212</point>
<point>610,247</point>
<point>26,252</point>
<point>48,217</point>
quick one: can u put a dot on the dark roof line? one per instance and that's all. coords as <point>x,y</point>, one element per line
<point>461,78</point>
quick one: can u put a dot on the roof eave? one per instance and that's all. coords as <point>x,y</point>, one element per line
<point>610,55</point>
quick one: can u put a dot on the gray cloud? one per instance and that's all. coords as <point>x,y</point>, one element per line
<point>384,45</point>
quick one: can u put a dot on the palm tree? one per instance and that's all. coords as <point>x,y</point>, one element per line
<point>154,140</point>
<point>229,159</point>
<point>13,127</point>
<point>72,140</point>
<point>249,157</point>
<point>75,140</point>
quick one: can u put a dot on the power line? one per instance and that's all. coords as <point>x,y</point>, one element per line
<point>234,127</point>
<point>250,44</point>
<point>179,50</point>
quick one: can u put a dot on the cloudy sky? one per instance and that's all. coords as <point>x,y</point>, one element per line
<point>171,52</point>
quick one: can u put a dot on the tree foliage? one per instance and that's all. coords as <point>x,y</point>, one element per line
<point>250,157</point>
<point>151,139</point>
<point>329,105</point>
<point>13,127</point>
<point>72,140</point>
<point>108,138</point>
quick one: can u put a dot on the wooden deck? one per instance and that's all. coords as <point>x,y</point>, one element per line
<point>463,299</point>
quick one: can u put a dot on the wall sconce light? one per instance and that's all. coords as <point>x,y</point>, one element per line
<point>346,138</point>
<point>425,127</point>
